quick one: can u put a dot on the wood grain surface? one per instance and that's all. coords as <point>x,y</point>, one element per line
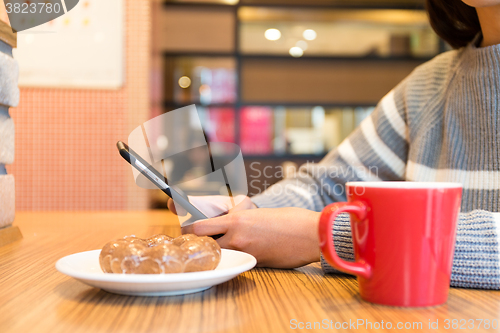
<point>34,297</point>
<point>6,34</point>
<point>9,234</point>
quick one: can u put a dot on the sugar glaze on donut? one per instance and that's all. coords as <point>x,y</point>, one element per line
<point>160,254</point>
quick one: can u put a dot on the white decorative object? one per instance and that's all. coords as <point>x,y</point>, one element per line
<point>9,92</point>
<point>7,200</point>
<point>81,49</point>
<point>6,140</point>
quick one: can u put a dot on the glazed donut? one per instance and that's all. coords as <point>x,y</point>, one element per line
<point>160,254</point>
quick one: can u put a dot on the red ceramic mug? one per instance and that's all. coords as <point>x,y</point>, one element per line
<point>403,236</point>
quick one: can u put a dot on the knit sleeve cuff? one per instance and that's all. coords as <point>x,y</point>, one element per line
<point>288,193</point>
<point>342,240</point>
<point>476,261</point>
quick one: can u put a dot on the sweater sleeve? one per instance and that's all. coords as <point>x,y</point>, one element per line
<point>377,150</point>
<point>476,261</point>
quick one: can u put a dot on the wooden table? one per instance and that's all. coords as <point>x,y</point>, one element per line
<point>34,297</point>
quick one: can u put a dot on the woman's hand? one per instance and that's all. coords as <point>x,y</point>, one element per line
<point>277,237</point>
<point>214,205</point>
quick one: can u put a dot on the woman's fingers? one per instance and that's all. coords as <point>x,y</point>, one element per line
<point>171,206</point>
<point>176,209</point>
<point>209,228</point>
<point>224,242</point>
<point>211,206</point>
<point>215,205</point>
<point>214,226</point>
<point>242,202</point>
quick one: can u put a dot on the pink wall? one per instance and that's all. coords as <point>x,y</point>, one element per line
<point>66,157</point>
<point>3,13</point>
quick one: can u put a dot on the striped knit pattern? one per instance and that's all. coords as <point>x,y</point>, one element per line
<point>476,262</point>
<point>441,123</point>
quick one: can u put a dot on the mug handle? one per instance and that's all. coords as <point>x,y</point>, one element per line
<point>360,267</point>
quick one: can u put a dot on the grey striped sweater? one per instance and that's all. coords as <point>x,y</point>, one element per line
<point>439,124</point>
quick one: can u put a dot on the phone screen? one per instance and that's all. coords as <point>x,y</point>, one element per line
<point>159,180</point>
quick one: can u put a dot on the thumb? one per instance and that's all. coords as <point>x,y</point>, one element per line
<point>176,209</point>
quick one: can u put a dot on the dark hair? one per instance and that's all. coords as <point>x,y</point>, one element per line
<point>453,21</point>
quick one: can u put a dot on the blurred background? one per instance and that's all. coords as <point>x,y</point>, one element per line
<point>286,80</point>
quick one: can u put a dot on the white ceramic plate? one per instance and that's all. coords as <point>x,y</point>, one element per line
<point>84,266</point>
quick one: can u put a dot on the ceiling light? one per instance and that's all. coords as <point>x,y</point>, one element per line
<point>296,52</point>
<point>309,34</point>
<point>184,82</point>
<point>272,34</point>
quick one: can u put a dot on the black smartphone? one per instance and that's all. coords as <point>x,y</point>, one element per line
<point>159,180</point>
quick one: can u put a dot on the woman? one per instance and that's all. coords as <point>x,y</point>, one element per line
<point>442,123</point>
